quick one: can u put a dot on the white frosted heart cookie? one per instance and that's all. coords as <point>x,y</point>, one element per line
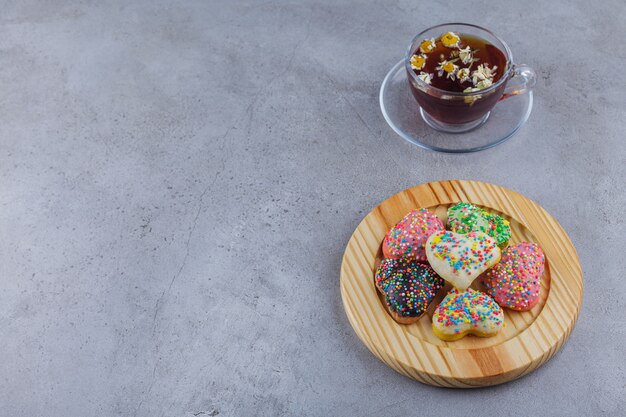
<point>461,258</point>
<point>467,312</point>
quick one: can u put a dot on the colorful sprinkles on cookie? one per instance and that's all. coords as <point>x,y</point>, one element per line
<point>465,312</point>
<point>466,217</point>
<point>460,258</point>
<point>515,282</point>
<point>408,286</point>
<point>407,239</point>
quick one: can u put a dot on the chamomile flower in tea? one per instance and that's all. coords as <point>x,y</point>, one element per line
<point>418,62</point>
<point>463,74</point>
<point>466,55</point>
<point>450,40</point>
<point>427,45</point>
<point>481,85</point>
<point>471,99</point>
<point>482,73</point>
<point>448,68</point>
<point>427,78</point>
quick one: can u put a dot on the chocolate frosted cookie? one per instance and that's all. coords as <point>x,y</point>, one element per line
<point>408,287</point>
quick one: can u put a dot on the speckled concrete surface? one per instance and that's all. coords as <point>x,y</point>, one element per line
<point>179,180</point>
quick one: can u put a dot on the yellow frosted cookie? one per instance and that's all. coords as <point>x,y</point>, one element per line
<point>467,312</point>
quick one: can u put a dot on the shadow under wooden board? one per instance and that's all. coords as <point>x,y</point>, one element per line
<point>529,338</point>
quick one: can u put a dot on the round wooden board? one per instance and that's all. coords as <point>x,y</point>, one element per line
<point>527,341</point>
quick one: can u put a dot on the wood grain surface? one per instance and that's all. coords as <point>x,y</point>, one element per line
<point>528,340</point>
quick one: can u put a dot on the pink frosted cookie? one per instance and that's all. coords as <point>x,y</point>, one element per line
<point>516,280</point>
<point>407,239</point>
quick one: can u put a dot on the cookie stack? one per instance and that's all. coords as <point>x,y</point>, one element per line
<point>421,255</point>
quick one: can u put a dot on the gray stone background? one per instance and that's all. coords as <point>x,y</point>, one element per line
<point>179,181</point>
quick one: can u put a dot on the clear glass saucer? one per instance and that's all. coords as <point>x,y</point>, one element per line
<point>403,114</point>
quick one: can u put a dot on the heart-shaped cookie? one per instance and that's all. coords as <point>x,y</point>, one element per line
<point>408,238</point>
<point>408,287</point>
<point>515,281</point>
<point>467,312</point>
<point>460,258</point>
<point>466,217</point>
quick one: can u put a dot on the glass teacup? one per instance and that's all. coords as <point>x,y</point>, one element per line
<point>457,112</point>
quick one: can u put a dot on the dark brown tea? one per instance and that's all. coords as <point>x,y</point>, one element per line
<point>458,63</point>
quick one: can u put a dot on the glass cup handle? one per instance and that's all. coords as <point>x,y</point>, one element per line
<point>522,81</point>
